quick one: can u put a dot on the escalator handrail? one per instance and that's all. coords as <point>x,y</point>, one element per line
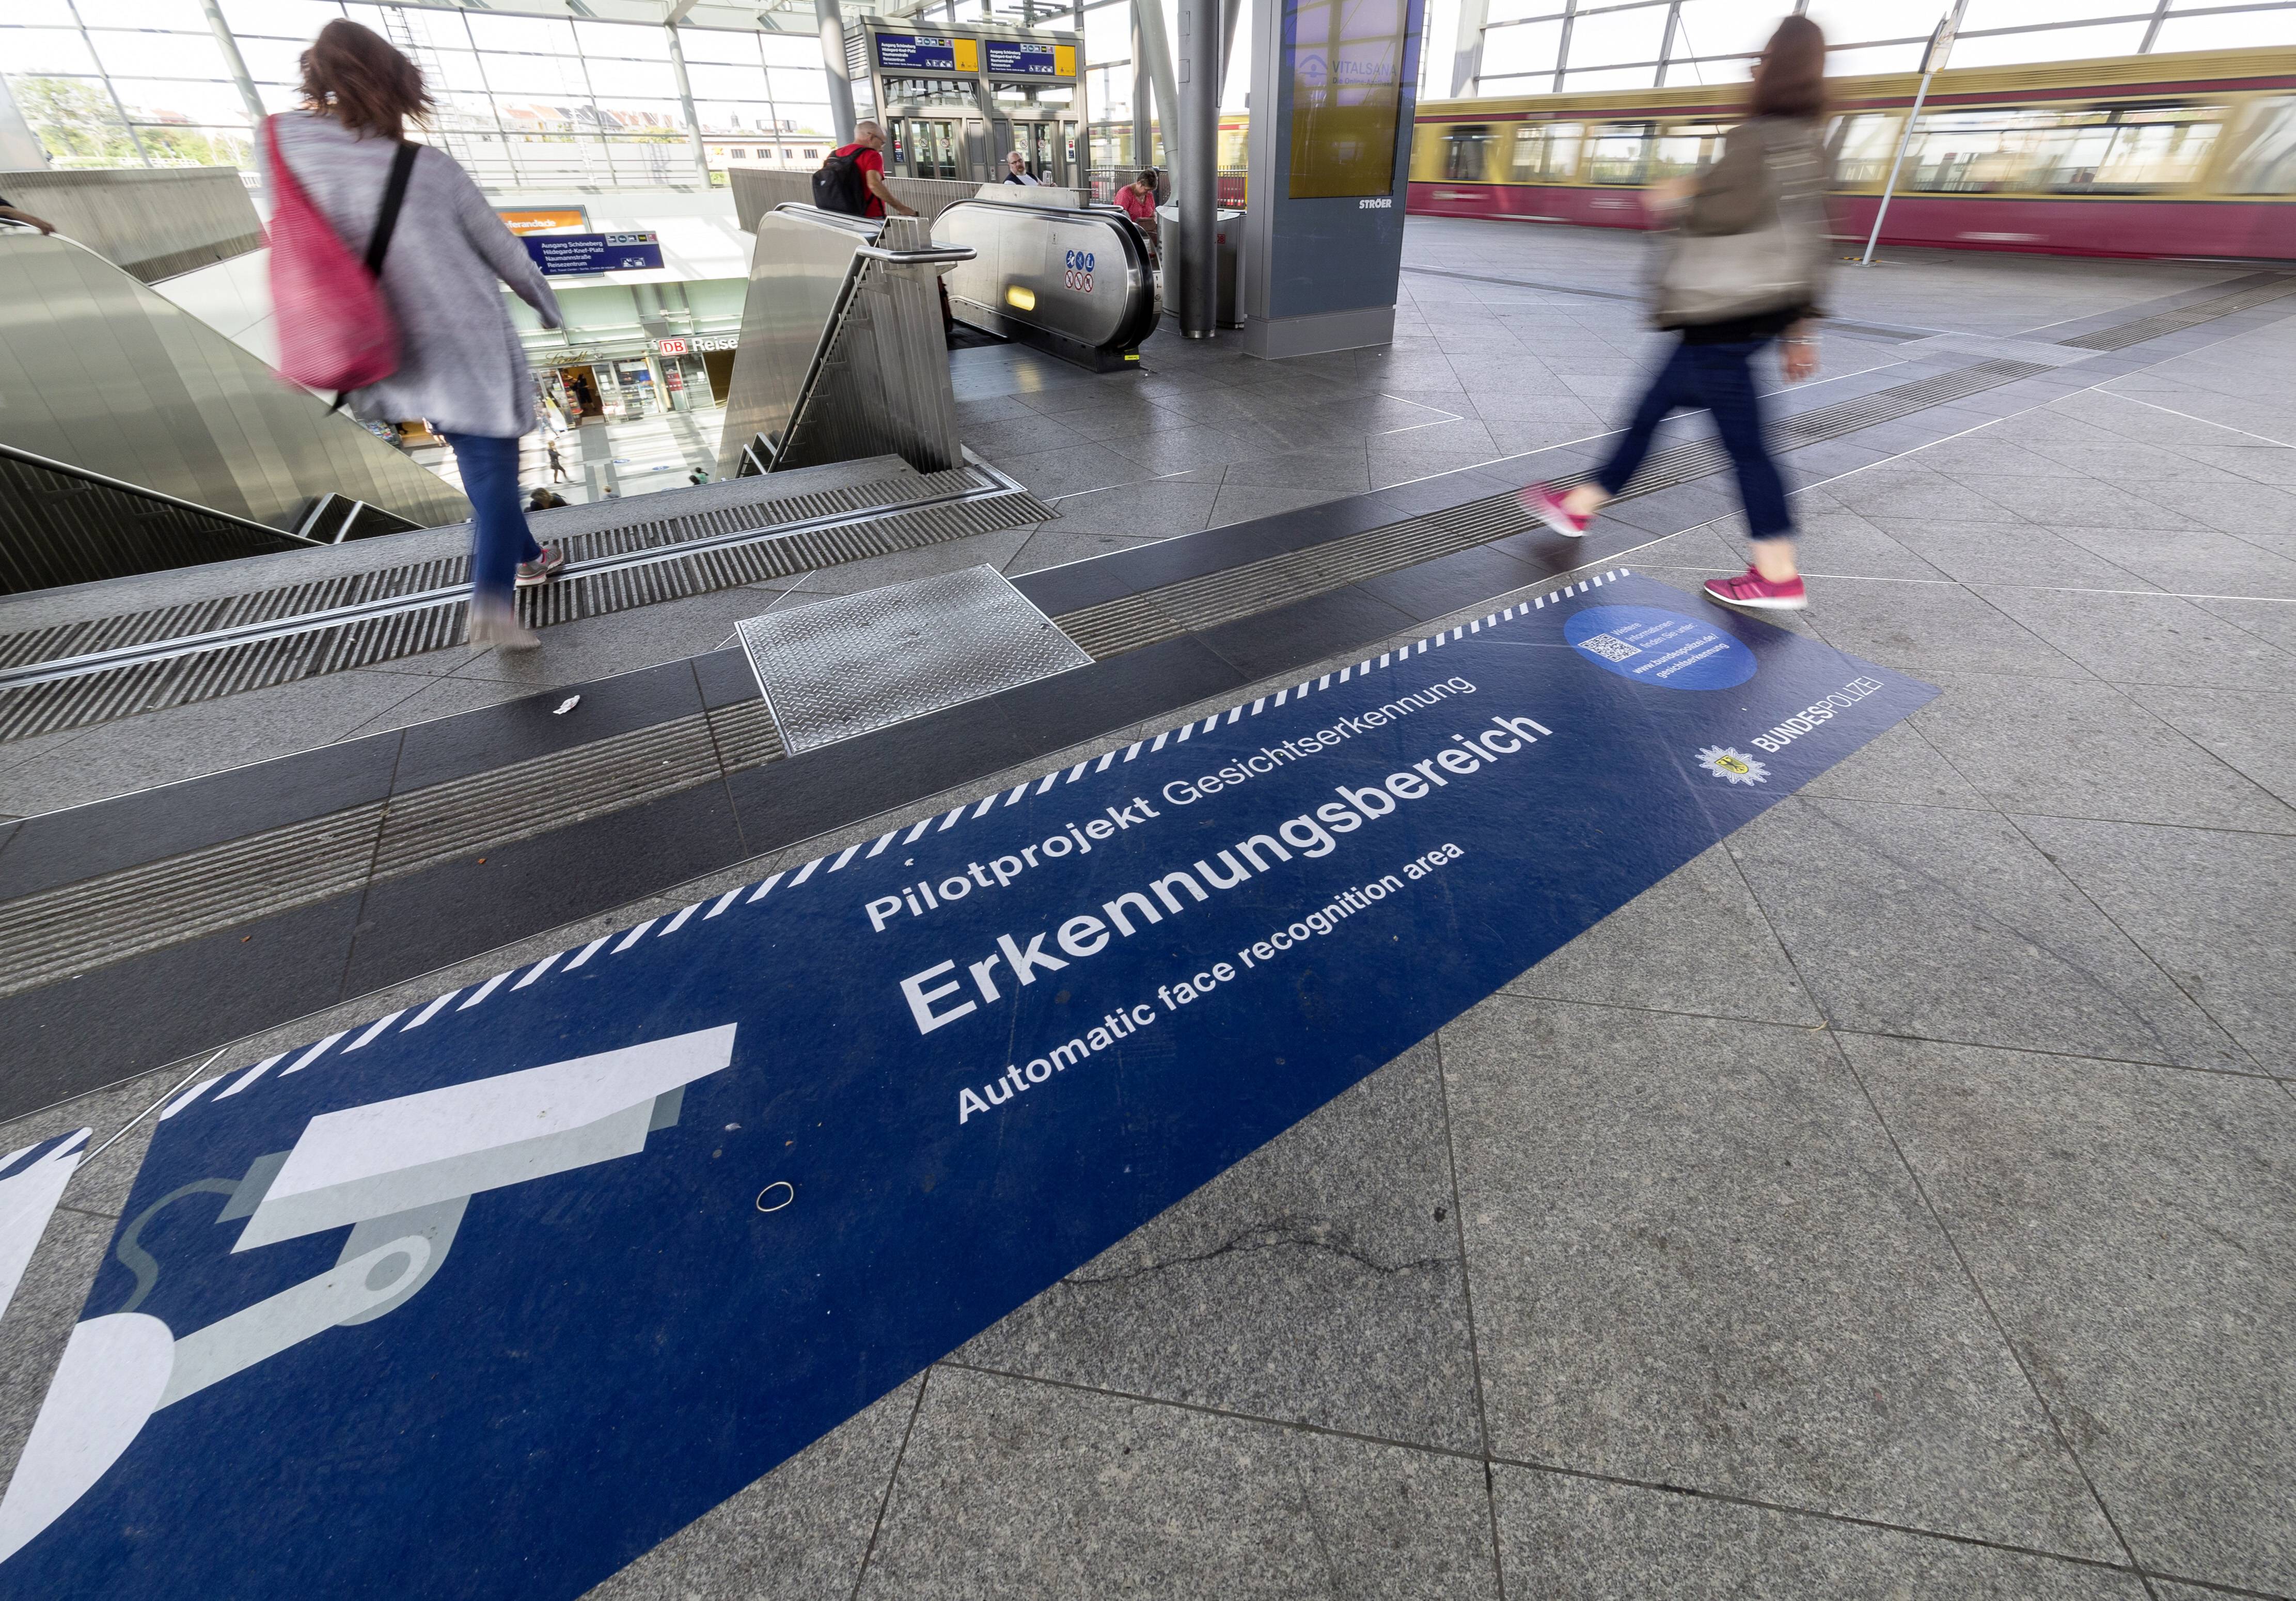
<point>105,480</point>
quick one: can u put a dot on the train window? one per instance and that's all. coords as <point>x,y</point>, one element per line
<point>1684,148</point>
<point>2266,161</point>
<point>1977,152</point>
<point>1545,153</point>
<point>2132,149</point>
<point>1864,145</point>
<point>1618,152</point>
<point>1466,154</point>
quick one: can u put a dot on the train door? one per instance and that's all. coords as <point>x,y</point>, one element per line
<point>1071,168</point>
<point>1038,146</point>
<point>934,146</point>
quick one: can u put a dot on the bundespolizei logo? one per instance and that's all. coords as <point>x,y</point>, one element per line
<point>1733,766</point>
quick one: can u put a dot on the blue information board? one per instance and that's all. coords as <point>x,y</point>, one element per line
<point>1027,61</point>
<point>916,51</point>
<point>560,255</point>
<point>487,1296</point>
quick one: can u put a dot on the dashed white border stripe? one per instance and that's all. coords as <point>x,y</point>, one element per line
<point>941,822</point>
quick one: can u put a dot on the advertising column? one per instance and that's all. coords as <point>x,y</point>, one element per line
<point>1323,234</point>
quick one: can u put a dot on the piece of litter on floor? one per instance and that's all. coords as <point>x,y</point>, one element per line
<point>567,704</point>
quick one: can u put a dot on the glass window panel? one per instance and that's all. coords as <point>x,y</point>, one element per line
<point>787,50</point>
<point>1873,58</point>
<point>726,82</point>
<point>1617,152</point>
<point>450,72</point>
<point>734,116</point>
<point>541,34</point>
<point>183,145</point>
<point>1467,153</point>
<point>139,14</point>
<point>613,39</point>
<point>2018,13</point>
<point>1528,48</point>
<point>1865,145</point>
<point>1725,69</point>
<point>1867,21</point>
<point>75,120</point>
<point>31,51</point>
<point>1607,39</point>
<point>1976,152</point>
<point>2052,45</point>
<point>283,19</point>
<point>1545,153</point>
<point>159,54</point>
<point>641,116</point>
<point>41,13</point>
<point>1722,27</point>
<point>812,86</point>
<point>2265,162</point>
<point>274,60</point>
<point>718,44</point>
<point>1684,148</point>
<point>1609,77</point>
<point>1511,10</point>
<point>2234,32</point>
<point>159,101</point>
<point>531,74</point>
<point>622,79</point>
<point>2132,150</point>
<point>1108,34</point>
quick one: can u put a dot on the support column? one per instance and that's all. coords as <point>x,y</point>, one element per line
<point>1144,128</point>
<point>237,66</point>
<point>1148,27</point>
<point>832,63</point>
<point>1467,46</point>
<point>684,100</point>
<point>1195,184</point>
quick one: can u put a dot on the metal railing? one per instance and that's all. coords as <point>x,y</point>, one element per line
<point>62,524</point>
<point>842,354</point>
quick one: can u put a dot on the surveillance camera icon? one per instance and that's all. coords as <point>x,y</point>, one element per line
<point>399,1173</point>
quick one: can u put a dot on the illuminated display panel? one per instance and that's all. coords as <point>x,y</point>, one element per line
<point>1346,62</point>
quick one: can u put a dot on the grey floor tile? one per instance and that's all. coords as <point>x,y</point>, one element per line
<point>1899,766</point>
<point>445,697</point>
<point>1702,550</point>
<point>2252,731</point>
<point>2085,502</point>
<point>1341,470</point>
<point>1900,489</point>
<point>206,735</point>
<point>2131,1226</point>
<point>1697,1261</point>
<point>2137,639</point>
<point>625,641</point>
<point>1926,628</point>
<point>2227,502</point>
<point>926,561</point>
<point>99,1184</point>
<point>1072,470</point>
<point>1013,1490</point>
<point>1155,508</point>
<point>2194,560</point>
<point>1057,546</point>
<point>1564,1539</point>
<point>1021,436</point>
<point>1245,502</point>
<point>1317,1281</point>
<point>2250,459</point>
<point>2018,553</point>
<point>2264,620</point>
<point>1183,450</point>
<point>2211,907</point>
<point>1694,942</point>
<point>801,1531</point>
<point>2032,745</point>
<point>1844,543</point>
<point>1952,924</point>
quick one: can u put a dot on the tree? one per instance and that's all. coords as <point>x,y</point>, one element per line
<point>75,120</point>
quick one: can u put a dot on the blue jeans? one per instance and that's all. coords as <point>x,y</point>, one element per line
<point>1719,378</point>
<point>499,541</point>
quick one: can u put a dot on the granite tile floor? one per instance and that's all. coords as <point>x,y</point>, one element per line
<point>1900,1200</point>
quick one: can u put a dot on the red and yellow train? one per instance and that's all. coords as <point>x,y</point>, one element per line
<point>2155,155</point>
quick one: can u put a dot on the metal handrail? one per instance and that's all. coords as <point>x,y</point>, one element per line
<point>106,481</point>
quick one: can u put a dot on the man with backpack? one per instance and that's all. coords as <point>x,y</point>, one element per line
<point>853,179</point>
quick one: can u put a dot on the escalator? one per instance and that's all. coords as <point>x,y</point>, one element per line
<point>137,439</point>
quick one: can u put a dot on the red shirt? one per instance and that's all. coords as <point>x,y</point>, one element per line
<point>866,161</point>
<point>1141,207</point>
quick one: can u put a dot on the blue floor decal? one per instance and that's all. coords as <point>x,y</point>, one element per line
<point>488,1296</point>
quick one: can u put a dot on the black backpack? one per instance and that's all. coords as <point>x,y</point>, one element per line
<point>839,186</point>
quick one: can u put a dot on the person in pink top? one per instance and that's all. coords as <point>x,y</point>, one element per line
<point>1138,198</point>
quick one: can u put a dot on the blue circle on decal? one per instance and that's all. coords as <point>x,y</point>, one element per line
<point>1672,650</point>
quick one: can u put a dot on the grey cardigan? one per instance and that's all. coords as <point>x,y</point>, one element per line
<point>461,367</point>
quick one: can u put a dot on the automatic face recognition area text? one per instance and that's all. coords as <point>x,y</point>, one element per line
<point>576,1253</point>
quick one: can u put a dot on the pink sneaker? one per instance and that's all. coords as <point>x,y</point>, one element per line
<point>1542,502</point>
<point>1751,589</point>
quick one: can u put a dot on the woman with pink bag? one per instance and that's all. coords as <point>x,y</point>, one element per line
<point>348,185</point>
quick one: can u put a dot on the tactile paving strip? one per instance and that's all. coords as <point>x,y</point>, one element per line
<point>2174,321</point>
<point>835,669</point>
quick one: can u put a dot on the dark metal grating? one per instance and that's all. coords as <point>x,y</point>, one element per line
<point>1131,621</point>
<point>175,656</point>
<point>2173,321</point>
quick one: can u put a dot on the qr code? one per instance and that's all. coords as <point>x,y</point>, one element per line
<point>1610,646</point>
